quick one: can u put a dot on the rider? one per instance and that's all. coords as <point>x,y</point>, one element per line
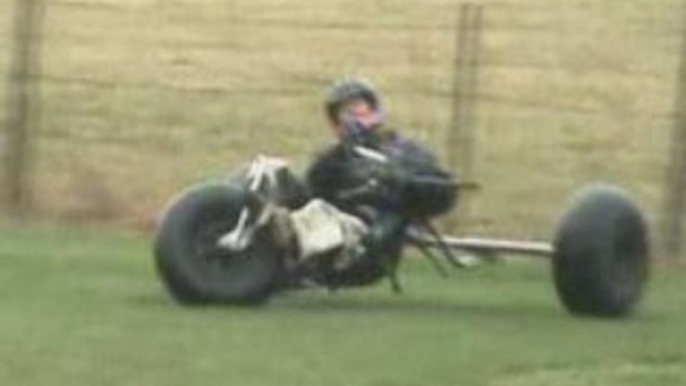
<point>357,115</point>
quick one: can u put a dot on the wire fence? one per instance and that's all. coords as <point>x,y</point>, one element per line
<point>142,98</point>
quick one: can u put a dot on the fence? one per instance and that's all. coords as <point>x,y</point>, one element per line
<point>141,98</point>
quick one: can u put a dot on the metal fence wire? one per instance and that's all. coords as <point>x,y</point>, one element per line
<point>532,100</point>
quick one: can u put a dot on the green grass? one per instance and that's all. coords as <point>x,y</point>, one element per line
<point>84,307</point>
<point>142,97</point>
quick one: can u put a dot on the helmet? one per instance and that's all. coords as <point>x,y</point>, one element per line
<point>349,89</point>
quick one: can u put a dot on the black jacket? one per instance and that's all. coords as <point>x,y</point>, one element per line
<point>338,170</point>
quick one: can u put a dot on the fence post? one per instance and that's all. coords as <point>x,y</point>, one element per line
<point>462,134</point>
<point>22,109</point>
<point>675,195</point>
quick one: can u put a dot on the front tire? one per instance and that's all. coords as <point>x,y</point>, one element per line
<point>197,271</point>
<point>601,258</point>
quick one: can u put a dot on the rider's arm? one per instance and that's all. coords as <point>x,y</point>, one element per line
<point>415,160</point>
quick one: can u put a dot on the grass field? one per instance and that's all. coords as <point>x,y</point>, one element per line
<point>84,307</point>
<point>143,97</point>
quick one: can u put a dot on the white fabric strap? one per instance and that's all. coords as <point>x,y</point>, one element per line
<point>320,227</point>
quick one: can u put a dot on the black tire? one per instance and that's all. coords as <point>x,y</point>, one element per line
<point>194,269</point>
<point>602,253</point>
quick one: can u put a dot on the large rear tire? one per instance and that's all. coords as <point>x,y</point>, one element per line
<point>601,258</point>
<point>195,269</point>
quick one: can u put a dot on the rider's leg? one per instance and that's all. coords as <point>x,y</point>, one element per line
<point>382,246</point>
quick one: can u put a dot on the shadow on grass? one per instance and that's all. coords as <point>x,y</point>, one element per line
<point>406,305</point>
<point>413,306</point>
<point>360,303</point>
<point>305,305</point>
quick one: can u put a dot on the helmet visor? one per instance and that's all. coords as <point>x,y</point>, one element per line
<point>359,114</point>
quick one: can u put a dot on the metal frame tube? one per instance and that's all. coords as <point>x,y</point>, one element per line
<point>480,245</point>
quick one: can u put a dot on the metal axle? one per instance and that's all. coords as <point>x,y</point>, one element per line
<point>479,245</point>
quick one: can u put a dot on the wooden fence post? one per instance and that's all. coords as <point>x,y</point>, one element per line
<point>675,192</point>
<point>462,138</point>
<point>22,102</point>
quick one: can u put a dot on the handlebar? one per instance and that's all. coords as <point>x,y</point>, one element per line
<point>372,185</point>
